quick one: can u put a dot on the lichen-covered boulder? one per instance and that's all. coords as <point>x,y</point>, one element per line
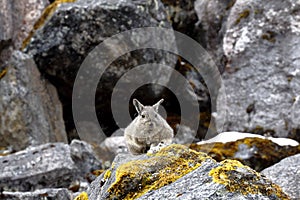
<point>253,150</point>
<point>286,174</point>
<point>31,113</point>
<point>262,78</point>
<point>177,172</point>
<point>67,36</point>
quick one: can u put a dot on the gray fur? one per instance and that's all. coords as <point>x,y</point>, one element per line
<point>148,130</point>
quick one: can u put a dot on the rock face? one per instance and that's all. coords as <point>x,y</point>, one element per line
<point>16,21</point>
<point>46,166</point>
<point>177,172</point>
<point>262,78</point>
<point>286,174</point>
<point>31,112</point>
<point>212,18</point>
<point>63,42</point>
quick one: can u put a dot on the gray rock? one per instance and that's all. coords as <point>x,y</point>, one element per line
<point>31,113</point>
<point>48,165</point>
<point>48,193</point>
<point>262,46</point>
<point>212,18</point>
<point>16,21</point>
<point>84,157</point>
<point>286,174</point>
<point>75,29</point>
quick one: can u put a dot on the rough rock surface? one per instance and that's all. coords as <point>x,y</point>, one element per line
<point>59,194</point>
<point>177,172</point>
<point>16,21</point>
<point>47,166</point>
<point>212,18</point>
<point>286,174</point>
<point>31,112</point>
<point>77,28</point>
<point>262,78</point>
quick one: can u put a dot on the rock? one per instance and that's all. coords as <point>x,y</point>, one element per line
<point>49,193</point>
<point>84,157</point>
<point>46,166</point>
<point>253,150</point>
<point>183,18</point>
<point>286,174</point>
<point>17,19</point>
<point>74,30</point>
<point>112,146</point>
<point>212,18</point>
<point>176,172</point>
<point>262,46</point>
<point>31,113</point>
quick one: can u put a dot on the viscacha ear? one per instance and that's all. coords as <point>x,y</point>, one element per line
<point>156,106</point>
<point>138,106</point>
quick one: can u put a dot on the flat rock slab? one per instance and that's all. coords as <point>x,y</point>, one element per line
<point>48,165</point>
<point>51,193</point>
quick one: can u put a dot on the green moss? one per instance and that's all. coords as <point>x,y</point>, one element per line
<point>228,174</point>
<point>82,196</point>
<point>269,36</point>
<point>44,17</point>
<point>242,15</point>
<point>135,178</point>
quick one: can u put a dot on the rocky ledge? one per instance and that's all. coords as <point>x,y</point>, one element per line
<point>177,172</point>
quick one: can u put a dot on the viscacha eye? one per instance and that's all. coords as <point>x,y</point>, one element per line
<point>143,116</point>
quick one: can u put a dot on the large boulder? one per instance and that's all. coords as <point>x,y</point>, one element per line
<point>68,36</point>
<point>177,172</point>
<point>286,174</point>
<point>262,79</point>
<point>31,113</point>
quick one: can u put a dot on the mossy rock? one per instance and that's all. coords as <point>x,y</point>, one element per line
<point>144,176</point>
<point>255,152</point>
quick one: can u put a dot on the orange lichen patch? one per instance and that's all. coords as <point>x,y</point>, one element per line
<point>239,178</point>
<point>98,172</point>
<point>82,196</point>
<point>44,17</point>
<point>135,178</point>
<point>266,152</point>
<point>3,71</point>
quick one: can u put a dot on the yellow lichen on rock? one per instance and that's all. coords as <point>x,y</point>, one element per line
<point>242,179</point>
<point>160,169</point>
<point>82,196</point>
<point>3,71</point>
<point>45,16</point>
